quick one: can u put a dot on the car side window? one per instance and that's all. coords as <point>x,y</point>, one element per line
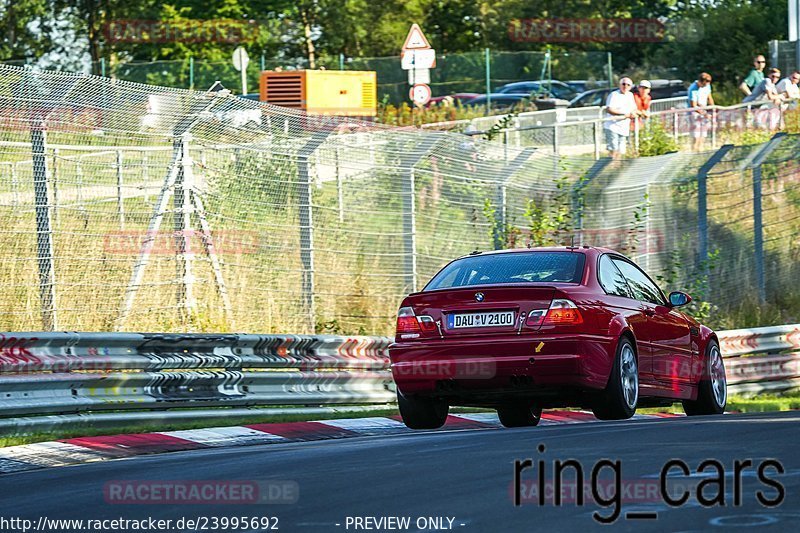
<point>643,289</point>
<point>611,279</point>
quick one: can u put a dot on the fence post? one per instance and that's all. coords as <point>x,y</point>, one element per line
<point>191,73</point>
<point>508,171</point>
<point>758,226</point>
<point>596,130</point>
<point>307,226</point>
<point>54,179</point>
<point>675,125</point>
<point>702,207</point>
<point>341,61</point>
<point>44,231</point>
<point>610,70</point>
<point>120,204</point>
<point>408,191</point>
<point>488,82</point>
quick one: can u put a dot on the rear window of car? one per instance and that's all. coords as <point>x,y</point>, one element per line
<point>524,267</point>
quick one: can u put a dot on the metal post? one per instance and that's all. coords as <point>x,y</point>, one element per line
<point>339,186</point>
<point>44,232</point>
<point>507,172</point>
<point>758,235</point>
<point>610,68</point>
<point>120,204</point>
<point>488,82</point>
<point>182,219</point>
<point>758,227</point>
<point>341,61</point>
<point>675,125</point>
<point>307,227</point>
<point>636,133</point>
<point>191,73</point>
<point>713,127</point>
<point>702,207</point>
<point>596,131</point>
<point>408,192</point>
<point>103,67</point>
<point>263,63</point>
<point>54,179</point>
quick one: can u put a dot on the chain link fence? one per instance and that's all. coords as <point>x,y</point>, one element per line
<point>138,208</point>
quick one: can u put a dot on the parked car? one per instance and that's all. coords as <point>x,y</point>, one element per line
<point>457,98</point>
<point>521,330</point>
<point>580,86</point>
<point>666,89</point>
<point>503,102</point>
<point>595,97</point>
<point>553,88</point>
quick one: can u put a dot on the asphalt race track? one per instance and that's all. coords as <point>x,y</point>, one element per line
<point>464,475</point>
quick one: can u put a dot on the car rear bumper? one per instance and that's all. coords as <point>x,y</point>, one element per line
<point>478,367</point>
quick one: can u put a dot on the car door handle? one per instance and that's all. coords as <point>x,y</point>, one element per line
<point>649,312</point>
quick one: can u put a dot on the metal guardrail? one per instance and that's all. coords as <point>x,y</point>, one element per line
<point>61,377</point>
<point>762,359</point>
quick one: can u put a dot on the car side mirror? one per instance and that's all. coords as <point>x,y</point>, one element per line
<point>678,298</point>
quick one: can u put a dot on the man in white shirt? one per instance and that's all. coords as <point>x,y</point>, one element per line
<point>787,87</point>
<point>620,109</point>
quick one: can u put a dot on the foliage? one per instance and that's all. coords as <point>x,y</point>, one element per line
<point>406,115</point>
<point>655,140</point>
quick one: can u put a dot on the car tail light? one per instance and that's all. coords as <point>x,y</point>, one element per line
<point>563,313</point>
<point>407,323</point>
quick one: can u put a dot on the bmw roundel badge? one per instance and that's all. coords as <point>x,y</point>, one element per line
<point>479,296</point>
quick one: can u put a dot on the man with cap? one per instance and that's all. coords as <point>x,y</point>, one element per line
<point>620,109</point>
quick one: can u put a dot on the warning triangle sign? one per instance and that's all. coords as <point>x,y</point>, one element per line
<point>416,39</point>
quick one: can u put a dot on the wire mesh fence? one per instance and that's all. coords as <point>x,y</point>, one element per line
<point>132,207</point>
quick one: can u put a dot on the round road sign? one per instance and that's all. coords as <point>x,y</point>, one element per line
<point>420,94</point>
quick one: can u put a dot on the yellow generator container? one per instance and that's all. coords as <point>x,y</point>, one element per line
<point>328,92</point>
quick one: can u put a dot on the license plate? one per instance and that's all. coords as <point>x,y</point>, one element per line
<point>480,320</point>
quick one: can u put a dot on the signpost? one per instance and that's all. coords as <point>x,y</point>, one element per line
<point>240,62</point>
<point>418,58</point>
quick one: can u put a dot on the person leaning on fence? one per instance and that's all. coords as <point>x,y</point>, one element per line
<point>620,109</point>
<point>643,99</point>
<point>766,94</point>
<point>787,88</point>
<point>699,98</point>
<point>755,76</point>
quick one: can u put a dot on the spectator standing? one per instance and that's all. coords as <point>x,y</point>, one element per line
<point>642,98</point>
<point>620,109</point>
<point>787,87</point>
<point>699,98</point>
<point>755,76</point>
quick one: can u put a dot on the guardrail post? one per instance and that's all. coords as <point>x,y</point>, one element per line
<point>307,226</point>
<point>758,227</point>
<point>44,231</point>
<point>702,207</point>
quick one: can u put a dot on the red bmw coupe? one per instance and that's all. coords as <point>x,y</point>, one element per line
<point>522,330</point>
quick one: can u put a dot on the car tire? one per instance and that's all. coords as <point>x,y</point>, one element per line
<point>712,389</point>
<point>516,416</point>
<point>422,413</point>
<point>618,400</point>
